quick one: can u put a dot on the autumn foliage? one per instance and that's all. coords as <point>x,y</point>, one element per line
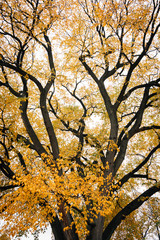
<point>79,117</point>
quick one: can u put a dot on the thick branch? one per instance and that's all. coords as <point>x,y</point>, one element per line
<point>6,169</point>
<point>150,84</point>
<point>131,174</point>
<point>146,128</point>
<point>43,104</point>
<point>21,72</point>
<point>48,125</point>
<point>124,142</point>
<point>6,84</point>
<point>4,188</point>
<point>88,69</point>
<point>111,112</point>
<point>140,113</point>
<point>29,128</point>
<point>109,230</point>
<point>108,73</point>
<point>25,141</point>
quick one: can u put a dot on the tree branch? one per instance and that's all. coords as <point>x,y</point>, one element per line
<point>136,203</point>
<point>88,69</point>
<point>150,84</point>
<point>131,174</point>
<point>22,73</point>
<point>43,103</point>
<point>4,188</point>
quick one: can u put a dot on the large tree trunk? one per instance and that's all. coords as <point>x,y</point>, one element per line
<point>57,229</point>
<point>96,230</point>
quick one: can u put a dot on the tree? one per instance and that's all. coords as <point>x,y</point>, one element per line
<point>79,112</point>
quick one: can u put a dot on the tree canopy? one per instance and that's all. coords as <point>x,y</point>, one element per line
<point>79,117</point>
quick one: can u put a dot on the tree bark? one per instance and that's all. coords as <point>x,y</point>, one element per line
<point>136,203</point>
